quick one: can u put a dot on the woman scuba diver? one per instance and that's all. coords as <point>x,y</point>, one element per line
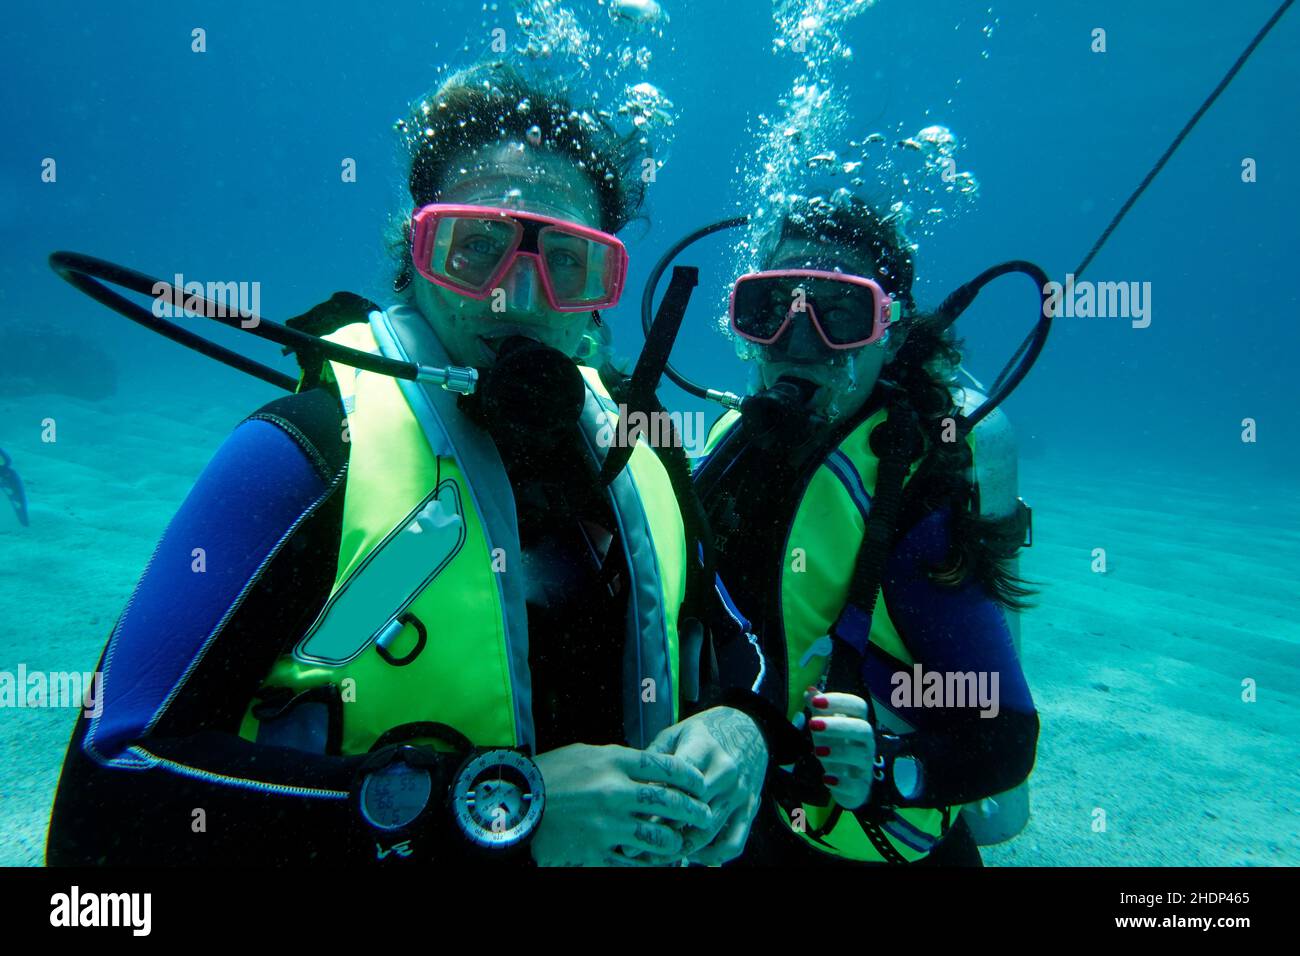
<point>390,623</point>
<point>847,523</point>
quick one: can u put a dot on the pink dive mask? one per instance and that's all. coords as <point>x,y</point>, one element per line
<point>471,249</point>
<point>847,311</point>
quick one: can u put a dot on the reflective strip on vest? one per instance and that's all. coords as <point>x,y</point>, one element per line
<point>402,333</point>
<point>650,652</point>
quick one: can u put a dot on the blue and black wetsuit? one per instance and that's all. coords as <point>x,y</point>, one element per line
<point>751,496</point>
<point>191,650</point>
<point>162,775</point>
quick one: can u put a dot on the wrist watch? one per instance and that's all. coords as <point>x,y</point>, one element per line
<point>908,776</point>
<point>899,770</point>
<point>493,801</point>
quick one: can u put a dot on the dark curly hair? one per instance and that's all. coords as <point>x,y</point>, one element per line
<point>923,374</point>
<point>852,222</point>
<point>496,102</point>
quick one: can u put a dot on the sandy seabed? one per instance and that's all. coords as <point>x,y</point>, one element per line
<point>1137,673</point>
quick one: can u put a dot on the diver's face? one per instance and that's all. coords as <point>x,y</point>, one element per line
<point>846,376</point>
<point>512,176</point>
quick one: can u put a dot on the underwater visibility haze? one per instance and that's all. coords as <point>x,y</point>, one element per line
<point>268,149</point>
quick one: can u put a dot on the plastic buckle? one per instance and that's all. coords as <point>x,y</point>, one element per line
<point>1028,513</point>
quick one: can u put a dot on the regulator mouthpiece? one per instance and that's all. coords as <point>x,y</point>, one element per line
<point>532,392</point>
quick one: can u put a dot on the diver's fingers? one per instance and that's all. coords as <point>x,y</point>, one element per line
<point>655,839</point>
<point>672,805</point>
<point>694,838</point>
<point>830,704</point>
<point>849,755</point>
<point>662,768</point>
<point>659,859</point>
<point>846,769</point>
<point>730,843</point>
<point>666,741</point>
<point>644,860</point>
<point>640,858</point>
<point>850,794</point>
<point>620,856</point>
<point>634,854</point>
<point>841,728</point>
<point>848,772</point>
<point>857,749</point>
<point>662,861</point>
<point>697,838</point>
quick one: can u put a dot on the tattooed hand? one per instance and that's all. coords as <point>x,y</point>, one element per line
<point>605,806</point>
<point>724,745</point>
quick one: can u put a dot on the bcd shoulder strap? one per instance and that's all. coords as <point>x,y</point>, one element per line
<point>896,442</point>
<point>342,308</point>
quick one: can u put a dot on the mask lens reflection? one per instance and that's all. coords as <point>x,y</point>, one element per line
<point>468,252</point>
<point>845,310</point>
<point>580,269</point>
<point>761,306</point>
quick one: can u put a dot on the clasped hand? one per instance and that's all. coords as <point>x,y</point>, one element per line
<point>845,743</point>
<point>691,795</point>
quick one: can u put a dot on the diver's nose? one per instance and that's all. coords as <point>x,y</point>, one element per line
<point>801,340</point>
<point>521,285</point>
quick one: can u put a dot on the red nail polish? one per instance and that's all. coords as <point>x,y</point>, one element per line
<point>817,724</point>
<point>820,701</point>
<point>823,751</point>
<point>830,781</point>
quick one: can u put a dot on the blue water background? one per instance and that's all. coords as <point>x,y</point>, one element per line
<point>225,165</point>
